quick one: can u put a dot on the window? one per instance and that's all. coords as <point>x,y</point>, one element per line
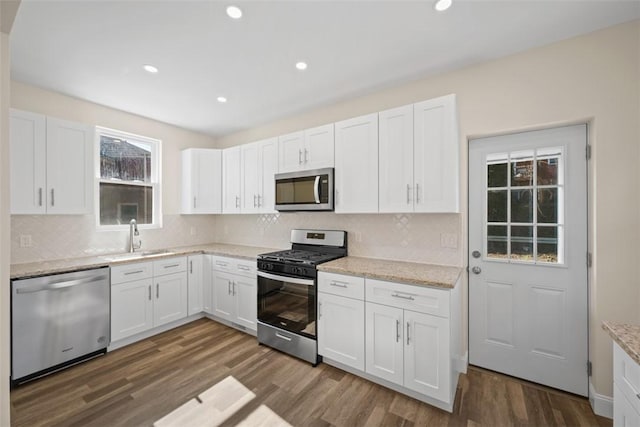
<point>128,179</point>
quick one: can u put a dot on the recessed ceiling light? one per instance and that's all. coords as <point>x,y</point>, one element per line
<point>442,5</point>
<point>301,65</point>
<point>222,99</point>
<point>234,12</point>
<point>150,68</point>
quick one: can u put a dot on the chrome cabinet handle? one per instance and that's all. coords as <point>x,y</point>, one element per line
<point>244,268</point>
<point>149,292</point>
<point>408,194</point>
<point>306,152</point>
<point>233,288</point>
<point>417,193</point>
<point>407,333</point>
<point>194,202</point>
<point>638,395</point>
<point>157,290</point>
<point>133,272</point>
<point>255,203</point>
<point>259,201</point>
<point>320,310</point>
<point>191,267</point>
<point>237,201</point>
<point>299,157</point>
<point>40,196</point>
<point>171,266</point>
<point>397,295</point>
<point>338,284</point>
<point>221,264</point>
<point>397,330</point>
<point>52,197</point>
<point>228,287</point>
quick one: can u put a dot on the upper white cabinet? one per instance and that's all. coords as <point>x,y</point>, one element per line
<point>419,157</point>
<point>201,181</point>
<point>231,184</point>
<point>51,165</point>
<point>356,161</point>
<point>259,165</point>
<point>309,149</point>
<point>436,155</point>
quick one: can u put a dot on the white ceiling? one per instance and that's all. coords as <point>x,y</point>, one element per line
<point>95,50</point>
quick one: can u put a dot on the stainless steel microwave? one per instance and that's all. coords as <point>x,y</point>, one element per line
<point>310,190</point>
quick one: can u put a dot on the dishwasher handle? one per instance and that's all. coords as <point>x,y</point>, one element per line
<point>61,284</point>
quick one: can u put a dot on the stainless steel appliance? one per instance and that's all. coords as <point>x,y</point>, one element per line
<point>310,190</point>
<point>57,321</point>
<point>287,291</point>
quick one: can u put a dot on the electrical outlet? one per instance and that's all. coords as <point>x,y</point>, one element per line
<point>193,231</point>
<point>25,241</point>
<point>449,240</point>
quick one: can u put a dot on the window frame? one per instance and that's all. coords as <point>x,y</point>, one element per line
<point>155,177</point>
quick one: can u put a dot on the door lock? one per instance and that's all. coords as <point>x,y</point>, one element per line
<point>476,270</point>
<point>475,254</point>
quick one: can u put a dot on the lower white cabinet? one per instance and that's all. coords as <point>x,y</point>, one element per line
<point>144,303</point>
<point>341,329</point>
<point>234,288</point>
<point>384,342</point>
<point>626,389</point>
<point>195,284</point>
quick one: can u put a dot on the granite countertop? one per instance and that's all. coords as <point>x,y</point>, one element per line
<point>626,335</point>
<point>84,263</point>
<point>395,271</point>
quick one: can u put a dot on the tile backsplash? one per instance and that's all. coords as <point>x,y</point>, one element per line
<point>428,238</point>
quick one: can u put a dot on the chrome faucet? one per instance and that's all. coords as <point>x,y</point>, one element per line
<point>133,231</point>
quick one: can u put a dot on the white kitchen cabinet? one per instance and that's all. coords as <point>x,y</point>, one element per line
<point>436,155</point>
<point>235,290</point>
<point>51,165</point>
<point>305,150</point>
<point>201,181</point>
<point>195,283</point>
<point>259,165</point>
<point>131,308</point>
<point>207,284</point>
<point>147,295</point>
<point>419,157</point>
<point>231,181</point>
<point>356,165</point>
<point>341,318</point>
<point>384,342</point>
<point>626,382</point>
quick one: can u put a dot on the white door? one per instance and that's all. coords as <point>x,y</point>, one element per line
<point>249,177</point>
<point>223,299</point>
<point>528,312</point>
<point>231,180</point>
<point>319,147</point>
<point>131,308</point>
<point>171,298</point>
<point>268,167</point>
<point>245,292</point>
<point>341,329</point>
<point>384,342</point>
<point>290,152</point>
<point>195,283</point>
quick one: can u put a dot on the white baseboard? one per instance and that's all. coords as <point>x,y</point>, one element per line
<point>461,363</point>
<point>602,405</point>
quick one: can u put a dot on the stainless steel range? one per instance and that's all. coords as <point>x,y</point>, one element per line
<point>287,291</point>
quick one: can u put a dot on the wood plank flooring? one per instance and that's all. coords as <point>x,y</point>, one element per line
<point>142,383</point>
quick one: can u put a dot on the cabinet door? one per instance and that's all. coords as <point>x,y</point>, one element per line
<point>341,329</point>
<point>427,363</point>
<point>231,180</point>
<point>69,167</point>
<point>290,152</point>
<point>268,167</point>
<point>27,135</point>
<point>436,155</point>
<point>195,283</point>
<point>396,189</point>
<point>318,151</point>
<point>245,291</point>
<point>249,177</point>
<point>201,181</point>
<point>131,308</point>
<point>624,415</point>
<point>170,298</point>
<point>223,298</point>
<point>207,284</point>
<point>384,342</point>
<point>356,174</point>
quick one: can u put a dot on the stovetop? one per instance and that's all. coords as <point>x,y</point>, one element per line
<point>296,256</point>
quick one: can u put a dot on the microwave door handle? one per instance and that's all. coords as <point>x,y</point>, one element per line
<point>316,189</point>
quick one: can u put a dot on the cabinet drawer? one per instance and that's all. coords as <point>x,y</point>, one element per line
<point>169,266</point>
<point>410,297</point>
<point>626,375</point>
<point>131,272</point>
<point>222,263</point>
<point>338,284</point>
<point>243,267</point>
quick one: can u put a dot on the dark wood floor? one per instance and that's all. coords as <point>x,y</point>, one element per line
<point>141,383</point>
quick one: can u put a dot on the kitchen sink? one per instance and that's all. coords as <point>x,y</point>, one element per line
<point>136,255</point>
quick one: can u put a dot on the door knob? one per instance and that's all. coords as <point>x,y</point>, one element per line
<point>476,270</point>
<point>475,254</point>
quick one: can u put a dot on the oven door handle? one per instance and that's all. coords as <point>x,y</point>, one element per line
<point>305,282</point>
<point>316,189</point>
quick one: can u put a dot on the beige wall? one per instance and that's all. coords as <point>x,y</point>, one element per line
<point>592,78</point>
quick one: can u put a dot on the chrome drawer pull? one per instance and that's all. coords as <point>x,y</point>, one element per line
<point>397,295</point>
<point>172,265</point>
<point>243,268</point>
<point>133,272</point>
<point>339,284</point>
<point>397,330</point>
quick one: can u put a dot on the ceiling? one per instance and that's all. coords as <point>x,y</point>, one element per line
<point>94,50</point>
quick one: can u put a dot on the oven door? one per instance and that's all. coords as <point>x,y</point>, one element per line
<point>288,303</point>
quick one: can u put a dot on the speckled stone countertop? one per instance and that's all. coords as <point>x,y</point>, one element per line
<point>627,336</point>
<point>84,263</point>
<point>395,271</point>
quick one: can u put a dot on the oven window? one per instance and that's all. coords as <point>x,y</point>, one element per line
<point>288,306</point>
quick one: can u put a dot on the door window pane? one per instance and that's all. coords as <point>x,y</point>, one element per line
<point>497,206</point>
<point>547,244</point>
<point>497,175</point>
<point>522,169</point>
<point>548,171</point>
<point>497,241</point>
<point>548,205</point>
<point>521,206</point>
<point>522,243</point>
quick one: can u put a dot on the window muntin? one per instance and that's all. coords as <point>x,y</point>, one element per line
<point>524,215</point>
<point>128,180</point>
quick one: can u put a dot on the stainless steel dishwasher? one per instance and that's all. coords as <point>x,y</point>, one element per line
<point>57,321</point>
